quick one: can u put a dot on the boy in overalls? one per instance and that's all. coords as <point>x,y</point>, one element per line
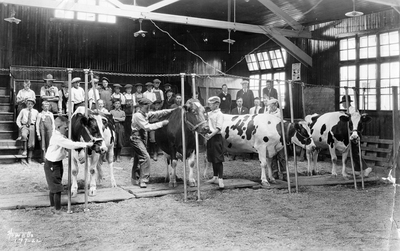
<point>45,127</point>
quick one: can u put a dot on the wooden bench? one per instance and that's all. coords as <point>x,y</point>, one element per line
<point>377,152</point>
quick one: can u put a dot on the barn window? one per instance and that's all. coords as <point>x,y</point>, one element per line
<point>254,84</point>
<point>252,62</point>
<point>266,60</point>
<point>85,16</point>
<point>370,63</point>
<point>66,14</point>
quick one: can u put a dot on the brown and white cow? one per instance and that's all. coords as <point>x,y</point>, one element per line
<point>262,134</point>
<point>86,128</point>
<point>330,131</point>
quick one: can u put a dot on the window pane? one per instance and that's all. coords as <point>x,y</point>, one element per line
<point>347,49</point>
<point>368,80</point>
<point>67,14</point>
<point>390,44</point>
<point>254,84</point>
<point>281,85</point>
<point>389,78</point>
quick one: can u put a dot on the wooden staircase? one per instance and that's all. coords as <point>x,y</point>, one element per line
<point>9,148</point>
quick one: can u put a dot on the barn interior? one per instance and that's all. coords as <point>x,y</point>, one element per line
<point>318,46</point>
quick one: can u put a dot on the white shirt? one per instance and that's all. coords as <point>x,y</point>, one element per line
<point>91,95</point>
<point>22,118</point>
<point>254,110</point>
<point>58,146</point>
<point>150,96</point>
<point>215,120</point>
<point>43,116</point>
<point>77,95</point>
<point>23,95</point>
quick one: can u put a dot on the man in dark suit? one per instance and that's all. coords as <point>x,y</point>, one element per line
<point>246,94</point>
<point>240,109</point>
<point>270,91</point>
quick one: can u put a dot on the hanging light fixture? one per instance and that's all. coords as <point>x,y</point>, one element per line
<point>140,32</point>
<point>354,13</point>
<point>229,40</point>
<point>12,18</point>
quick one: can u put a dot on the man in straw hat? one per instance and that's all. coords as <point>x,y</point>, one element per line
<point>77,94</point>
<point>140,126</point>
<point>50,93</point>
<point>246,94</point>
<point>26,122</point>
<point>215,147</point>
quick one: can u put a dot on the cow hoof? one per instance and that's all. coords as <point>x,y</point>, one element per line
<point>92,192</point>
<point>314,173</point>
<point>113,183</point>
<point>172,184</point>
<point>265,183</point>
<point>192,183</point>
<point>74,193</point>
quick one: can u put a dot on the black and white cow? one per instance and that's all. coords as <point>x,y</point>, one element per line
<point>330,131</point>
<point>262,134</point>
<point>86,128</point>
<point>169,137</point>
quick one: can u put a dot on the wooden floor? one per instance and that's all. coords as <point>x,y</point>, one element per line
<point>41,199</point>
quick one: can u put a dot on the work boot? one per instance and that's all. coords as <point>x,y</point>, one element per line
<point>275,175</point>
<point>143,184</point>
<point>221,183</point>
<point>284,177</point>
<point>135,182</point>
<point>214,180</point>
<point>25,149</point>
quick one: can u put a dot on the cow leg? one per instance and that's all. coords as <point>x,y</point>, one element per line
<point>93,176</point>
<point>265,162</point>
<point>111,165</point>
<point>191,162</point>
<point>74,174</point>
<point>310,155</point>
<point>334,159</point>
<point>344,159</point>
<point>172,173</point>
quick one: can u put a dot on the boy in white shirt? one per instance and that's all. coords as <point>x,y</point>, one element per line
<point>45,127</point>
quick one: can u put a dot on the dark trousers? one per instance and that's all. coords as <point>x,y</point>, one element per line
<point>141,164</point>
<point>54,172</point>
<point>280,156</point>
<point>215,154</point>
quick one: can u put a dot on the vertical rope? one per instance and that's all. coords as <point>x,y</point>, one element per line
<point>69,136</point>
<point>348,132</point>
<point>86,155</point>
<point>196,135</point>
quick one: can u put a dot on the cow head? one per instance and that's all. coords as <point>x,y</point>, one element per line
<point>356,125</point>
<point>195,116</point>
<point>88,128</point>
<point>302,136</point>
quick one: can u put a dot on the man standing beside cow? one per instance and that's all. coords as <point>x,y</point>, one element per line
<point>140,126</point>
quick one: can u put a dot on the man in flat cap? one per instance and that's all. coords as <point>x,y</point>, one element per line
<point>158,93</point>
<point>50,93</point>
<point>140,126</point>
<point>215,147</point>
<point>26,122</point>
<point>77,94</point>
<point>119,119</point>
<point>149,93</point>
<point>130,100</point>
<point>118,95</point>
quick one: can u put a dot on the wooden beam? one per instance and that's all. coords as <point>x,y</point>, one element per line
<point>386,2</point>
<point>159,5</point>
<point>136,13</point>
<point>295,51</point>
<point>396,9</point>
<point>280,13</point>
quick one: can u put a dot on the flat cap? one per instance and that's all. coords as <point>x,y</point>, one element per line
<point>244,82</point>
<point>77,79</point>
<point>128,86</point>
<point>32,100</point>
<point>214,99</point>
<point>106,79</point>
<point>156,80</point>
<point>144,101</point>
<point>149,84</point>
<point>117,85</point>
<point>139,84</point>
<point>272,101</point>
<point>167,84</point>
<point>116,100</point>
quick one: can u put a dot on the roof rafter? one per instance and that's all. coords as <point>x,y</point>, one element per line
<point>161,4</point>
<point>137,12</point>
<point>280,13</point>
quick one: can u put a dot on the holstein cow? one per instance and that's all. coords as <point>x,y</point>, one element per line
<point>169,137</point>
<point>86,129</point>
<point>330,131</point>
<point>108,130</point>
<point>262,134</point>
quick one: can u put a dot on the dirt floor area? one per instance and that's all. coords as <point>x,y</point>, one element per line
<point>317,218</point>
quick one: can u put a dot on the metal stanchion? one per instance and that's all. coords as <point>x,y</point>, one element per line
<point>283,135</point>
<point>294,146</point>
<point>69,70</point>
<point>86,71</point>
<point>183,136</point>
<point>196,134</point>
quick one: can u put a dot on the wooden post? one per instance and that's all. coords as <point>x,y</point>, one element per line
<point>183,137</point>
<point>294,146</point>
<point>86,209</point>
<point>69,70</point>
<point>359,144</point>
<point>196,134</point>
<point>283,134</point>
<point>348,132</point>
<point>302,99</point>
